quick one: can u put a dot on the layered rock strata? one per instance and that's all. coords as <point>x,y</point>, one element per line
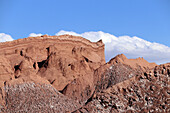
<point>69,74</point>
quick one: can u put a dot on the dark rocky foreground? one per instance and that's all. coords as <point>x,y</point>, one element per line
<point>69,74</point>
<point>31,97</point>
<point>148,92</point>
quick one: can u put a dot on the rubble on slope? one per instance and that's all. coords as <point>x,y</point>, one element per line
<point>144,93</point>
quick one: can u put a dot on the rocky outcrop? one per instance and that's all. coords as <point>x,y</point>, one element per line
<point>120,68</point>
<point>148,92</point>
<point>32,98</point>
<point>66,62</point>
<point>138,63</point>
<point>69,74</point>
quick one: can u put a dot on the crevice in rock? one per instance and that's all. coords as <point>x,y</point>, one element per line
<point>5,83</point>
<point>16,77</point>
<point>146,75</point>
<point>21,53</point>
<point>155,74</point>
<point>74,50</point>
<point>90,99</point>
<point>41,64</point>
<point>80,111</point>
<point>72,66</point>
<point>64,90</point>
<point>48,51</point>
<point>16,67</point>
<point>86,109</point>
<point>87,60</point>
<point>51,82</point>
<point>34,65</point>
<point>168,71</point>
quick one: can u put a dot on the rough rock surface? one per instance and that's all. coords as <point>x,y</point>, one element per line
<point>31,97</point>
<point>120,68</point>
<point>63,61</point>
<point>149,92</point>
<point>138,63</point>
<point>69,74</point>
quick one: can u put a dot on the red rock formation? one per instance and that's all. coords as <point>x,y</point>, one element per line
<point>118,69</point>
<point>134,63</point>
<point>67,62</point>
<point>144,93</point>
<point>68,73</point>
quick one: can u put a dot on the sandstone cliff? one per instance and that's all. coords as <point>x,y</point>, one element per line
<point>69,74</point>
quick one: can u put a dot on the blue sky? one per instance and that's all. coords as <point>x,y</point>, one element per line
<point>147,19</point>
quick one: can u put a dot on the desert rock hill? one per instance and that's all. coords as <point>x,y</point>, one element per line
<point>69,74</point>
<point>145,93</point>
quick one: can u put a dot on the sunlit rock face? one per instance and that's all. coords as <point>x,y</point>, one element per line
<point>68,74</point>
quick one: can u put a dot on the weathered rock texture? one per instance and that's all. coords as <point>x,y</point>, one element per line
<point>149,92</point>
<point>31,97</point>
<point>119,69</point>
<point>69,74</point>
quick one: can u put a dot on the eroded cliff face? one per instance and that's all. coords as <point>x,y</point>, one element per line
<point>68,73</point>
<point>66,62</point>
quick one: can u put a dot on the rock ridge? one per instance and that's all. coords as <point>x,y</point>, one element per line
<point>61,38</point>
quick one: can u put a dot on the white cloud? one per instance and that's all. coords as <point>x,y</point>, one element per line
<point>62,32</point>
<point>132,47</point>
<point>5,37</point>
<point>35,35</point>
